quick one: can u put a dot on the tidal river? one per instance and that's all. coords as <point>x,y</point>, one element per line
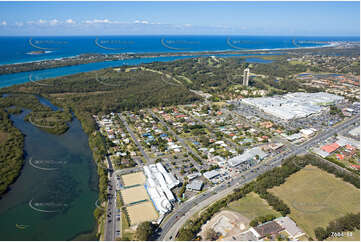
<point>23,77</point>
<point>55,194</point>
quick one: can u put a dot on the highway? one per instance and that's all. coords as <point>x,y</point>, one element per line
<point>170,227</point>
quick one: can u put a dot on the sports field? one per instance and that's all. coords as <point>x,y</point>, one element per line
<point>316,198</point>
<point>134,194</point>
<point>133,179</point>
<point>252,206</point>
<point>142,212</point>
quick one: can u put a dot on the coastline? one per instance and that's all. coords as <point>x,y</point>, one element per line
<point>179,53</point>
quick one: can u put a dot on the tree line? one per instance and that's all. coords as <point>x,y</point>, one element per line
<point>349,222</point>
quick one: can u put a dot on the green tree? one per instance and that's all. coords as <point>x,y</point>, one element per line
<point>321,233</point>
<point>144,231</point>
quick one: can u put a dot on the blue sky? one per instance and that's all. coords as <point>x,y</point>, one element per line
<point>239,18</point>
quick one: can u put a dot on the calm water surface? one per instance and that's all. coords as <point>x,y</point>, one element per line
<point>54,197</point>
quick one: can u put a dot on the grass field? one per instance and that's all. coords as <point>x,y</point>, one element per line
<point>297,62</point>
<point>133,179</point>
<point>126,231</point>
<point>134,194</point>
<point>355,237</point>
<point>316,198</point>
<point>142,212</point>
<point>252,206</point>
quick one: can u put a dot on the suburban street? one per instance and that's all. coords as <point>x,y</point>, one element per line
<point>178,138</point>
<point>229,142</point>
<point>134,138</point>
<point>170,227</point>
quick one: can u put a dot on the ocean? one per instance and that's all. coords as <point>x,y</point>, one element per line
<point>28,49</point>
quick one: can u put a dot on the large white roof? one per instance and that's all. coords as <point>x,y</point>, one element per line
<point>293,105</point>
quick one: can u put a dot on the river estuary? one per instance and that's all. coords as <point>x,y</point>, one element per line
<point>55,194</point>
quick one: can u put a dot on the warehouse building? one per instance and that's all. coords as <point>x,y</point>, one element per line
<point>248,155</point>
<point>294,105</point>
<point>211,174</point>
<point>195,185</point>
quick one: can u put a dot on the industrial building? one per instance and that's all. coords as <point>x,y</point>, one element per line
<point>294,105</point>
<point>355,132</point>
<point>211,174</point>
<point>158,185</point>
<point>195,185</point>
<point>248,155</point>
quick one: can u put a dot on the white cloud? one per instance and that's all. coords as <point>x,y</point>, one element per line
<point>53,22</point>
<point>19,24</point>
<point>99,21</point>
<point>41,21</point>
<point>3,23</point>
<point>141,22</point>
<point>70,21</point>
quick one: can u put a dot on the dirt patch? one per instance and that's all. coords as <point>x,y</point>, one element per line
<point>133,179</point>
<point>227,224</point>
<point>142,212</point>
<point>134,194</point>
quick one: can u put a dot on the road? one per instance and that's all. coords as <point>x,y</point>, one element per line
<point>110,212</point>
<point>134,138</point>
<point>176,220</point>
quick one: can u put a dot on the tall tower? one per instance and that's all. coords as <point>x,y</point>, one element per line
<point>245,77</point>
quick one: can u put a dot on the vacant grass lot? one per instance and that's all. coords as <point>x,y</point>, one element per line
<point>316,198</point>
<point>355,236</point>
<point>252,206</point>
